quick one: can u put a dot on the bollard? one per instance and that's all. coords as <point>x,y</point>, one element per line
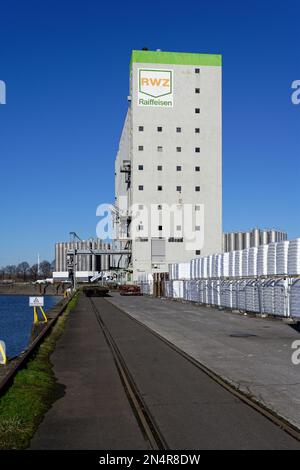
<point>3,358</point>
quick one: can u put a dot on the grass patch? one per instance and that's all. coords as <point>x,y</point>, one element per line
<point>32,393</point>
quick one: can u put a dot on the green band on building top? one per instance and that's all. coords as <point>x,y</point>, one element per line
<point>176,58</point>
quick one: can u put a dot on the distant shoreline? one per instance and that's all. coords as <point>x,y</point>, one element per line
<point>32,289</point>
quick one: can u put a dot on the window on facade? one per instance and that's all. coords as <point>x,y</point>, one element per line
<point>197,70</point>
<point>197,149</point>
<point>141,148</point>
<point>159,188</point>
<point>159,129</point>
<point>160,227</point>
<point>159,207</point>
<point>140,227</point>
<point>197,207</point>
<point>197,188</point>
<point>178,227</point>
<point>197,228</point>
<point>141,167</point>
<point>197,90</point>
<point>197,110</point>
<point>141,187</point>
<point>159,148</point>
<point>178,188</point>
<point>197,168</point>
<point>141,128</point>
<point>178,168</point>
<point>141,207</point>
<point>159,167</point>
<point>178,129</point>
<point>198,252</point>
<point>197,130</point>
<point>178,149</point>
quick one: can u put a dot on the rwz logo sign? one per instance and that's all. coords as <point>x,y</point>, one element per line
<point>154,85</point>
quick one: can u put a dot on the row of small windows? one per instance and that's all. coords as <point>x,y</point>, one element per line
<point>160,168</point>
<point>159,207</point>
<point>160,149</point>
<point>178,129</point>
<point>160,188</point>
<point>178,228</point>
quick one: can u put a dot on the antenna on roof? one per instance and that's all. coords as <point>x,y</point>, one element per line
<point>145,49</point>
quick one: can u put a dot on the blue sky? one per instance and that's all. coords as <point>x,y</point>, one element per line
<point>66,69</point>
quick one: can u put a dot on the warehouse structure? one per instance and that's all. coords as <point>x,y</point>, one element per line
<point>92,257</point>
<point>255,237</point>
<point>170,156</point>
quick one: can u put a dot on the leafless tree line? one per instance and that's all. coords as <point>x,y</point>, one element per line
<point>24,272</point>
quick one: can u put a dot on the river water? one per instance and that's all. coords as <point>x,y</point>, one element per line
<point>16,318</point>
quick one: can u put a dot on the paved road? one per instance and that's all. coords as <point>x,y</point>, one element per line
<point>259,364</point>
<point>94,413</point>
<point>191,410</point>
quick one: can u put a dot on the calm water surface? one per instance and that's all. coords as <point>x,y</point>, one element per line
<point>16,319</point>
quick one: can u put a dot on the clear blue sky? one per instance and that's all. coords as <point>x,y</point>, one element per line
<point>66,68</point>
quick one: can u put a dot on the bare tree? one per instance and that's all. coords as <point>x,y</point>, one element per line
<point>34,271</point>
<point>22,269</point>
<point>10,270</point>
<point>45,268</point>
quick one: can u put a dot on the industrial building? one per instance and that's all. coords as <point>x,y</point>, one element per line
<point>170,156</point>
<point>92,257</point>
<point>255,237</point>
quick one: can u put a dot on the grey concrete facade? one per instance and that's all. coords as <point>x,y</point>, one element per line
<point>175,158</point>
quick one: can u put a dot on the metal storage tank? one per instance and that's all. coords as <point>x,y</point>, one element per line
<point>246,240</point>
<point>272,236</point>
<point>239,241</point>
<point>263,237</point>
<point>255,239</point>
<point>225,237</point>
<point>231,242</point>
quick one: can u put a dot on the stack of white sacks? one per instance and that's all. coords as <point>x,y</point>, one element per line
<point>295,299</point>
<point>282,250</point>
<point>294,257</point>
<point>262,260</point>
<point>205,279</point>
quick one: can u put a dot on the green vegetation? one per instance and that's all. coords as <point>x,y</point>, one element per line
<point>32,393</point>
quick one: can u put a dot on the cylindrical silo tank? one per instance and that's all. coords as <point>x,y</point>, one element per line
<point>246,240</point>
<point>225,242</point>
<point>272,236</point>
<point>239,241</point>
<point>231,244</point>
<point>255,237</point>
<point>263,237</point>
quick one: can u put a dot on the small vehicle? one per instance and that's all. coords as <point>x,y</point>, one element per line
<point>130,289</point>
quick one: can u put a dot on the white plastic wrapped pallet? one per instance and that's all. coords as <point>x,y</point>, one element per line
<point>241,294</point>
<point>252,261</point>
<point>282,257</point>
<point>271,263</point>
<point>294,257</point>
<point>295,299</point>
<point>219,264</point>
<point>232,263</point>
<point>225,265</point>
<point>281,298</point>
<point>262,260</point>
<point>177,289</point>
<point>245,259</point>
<point>268,296</point>
<point>204,267</point>
<point>238,263</point>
